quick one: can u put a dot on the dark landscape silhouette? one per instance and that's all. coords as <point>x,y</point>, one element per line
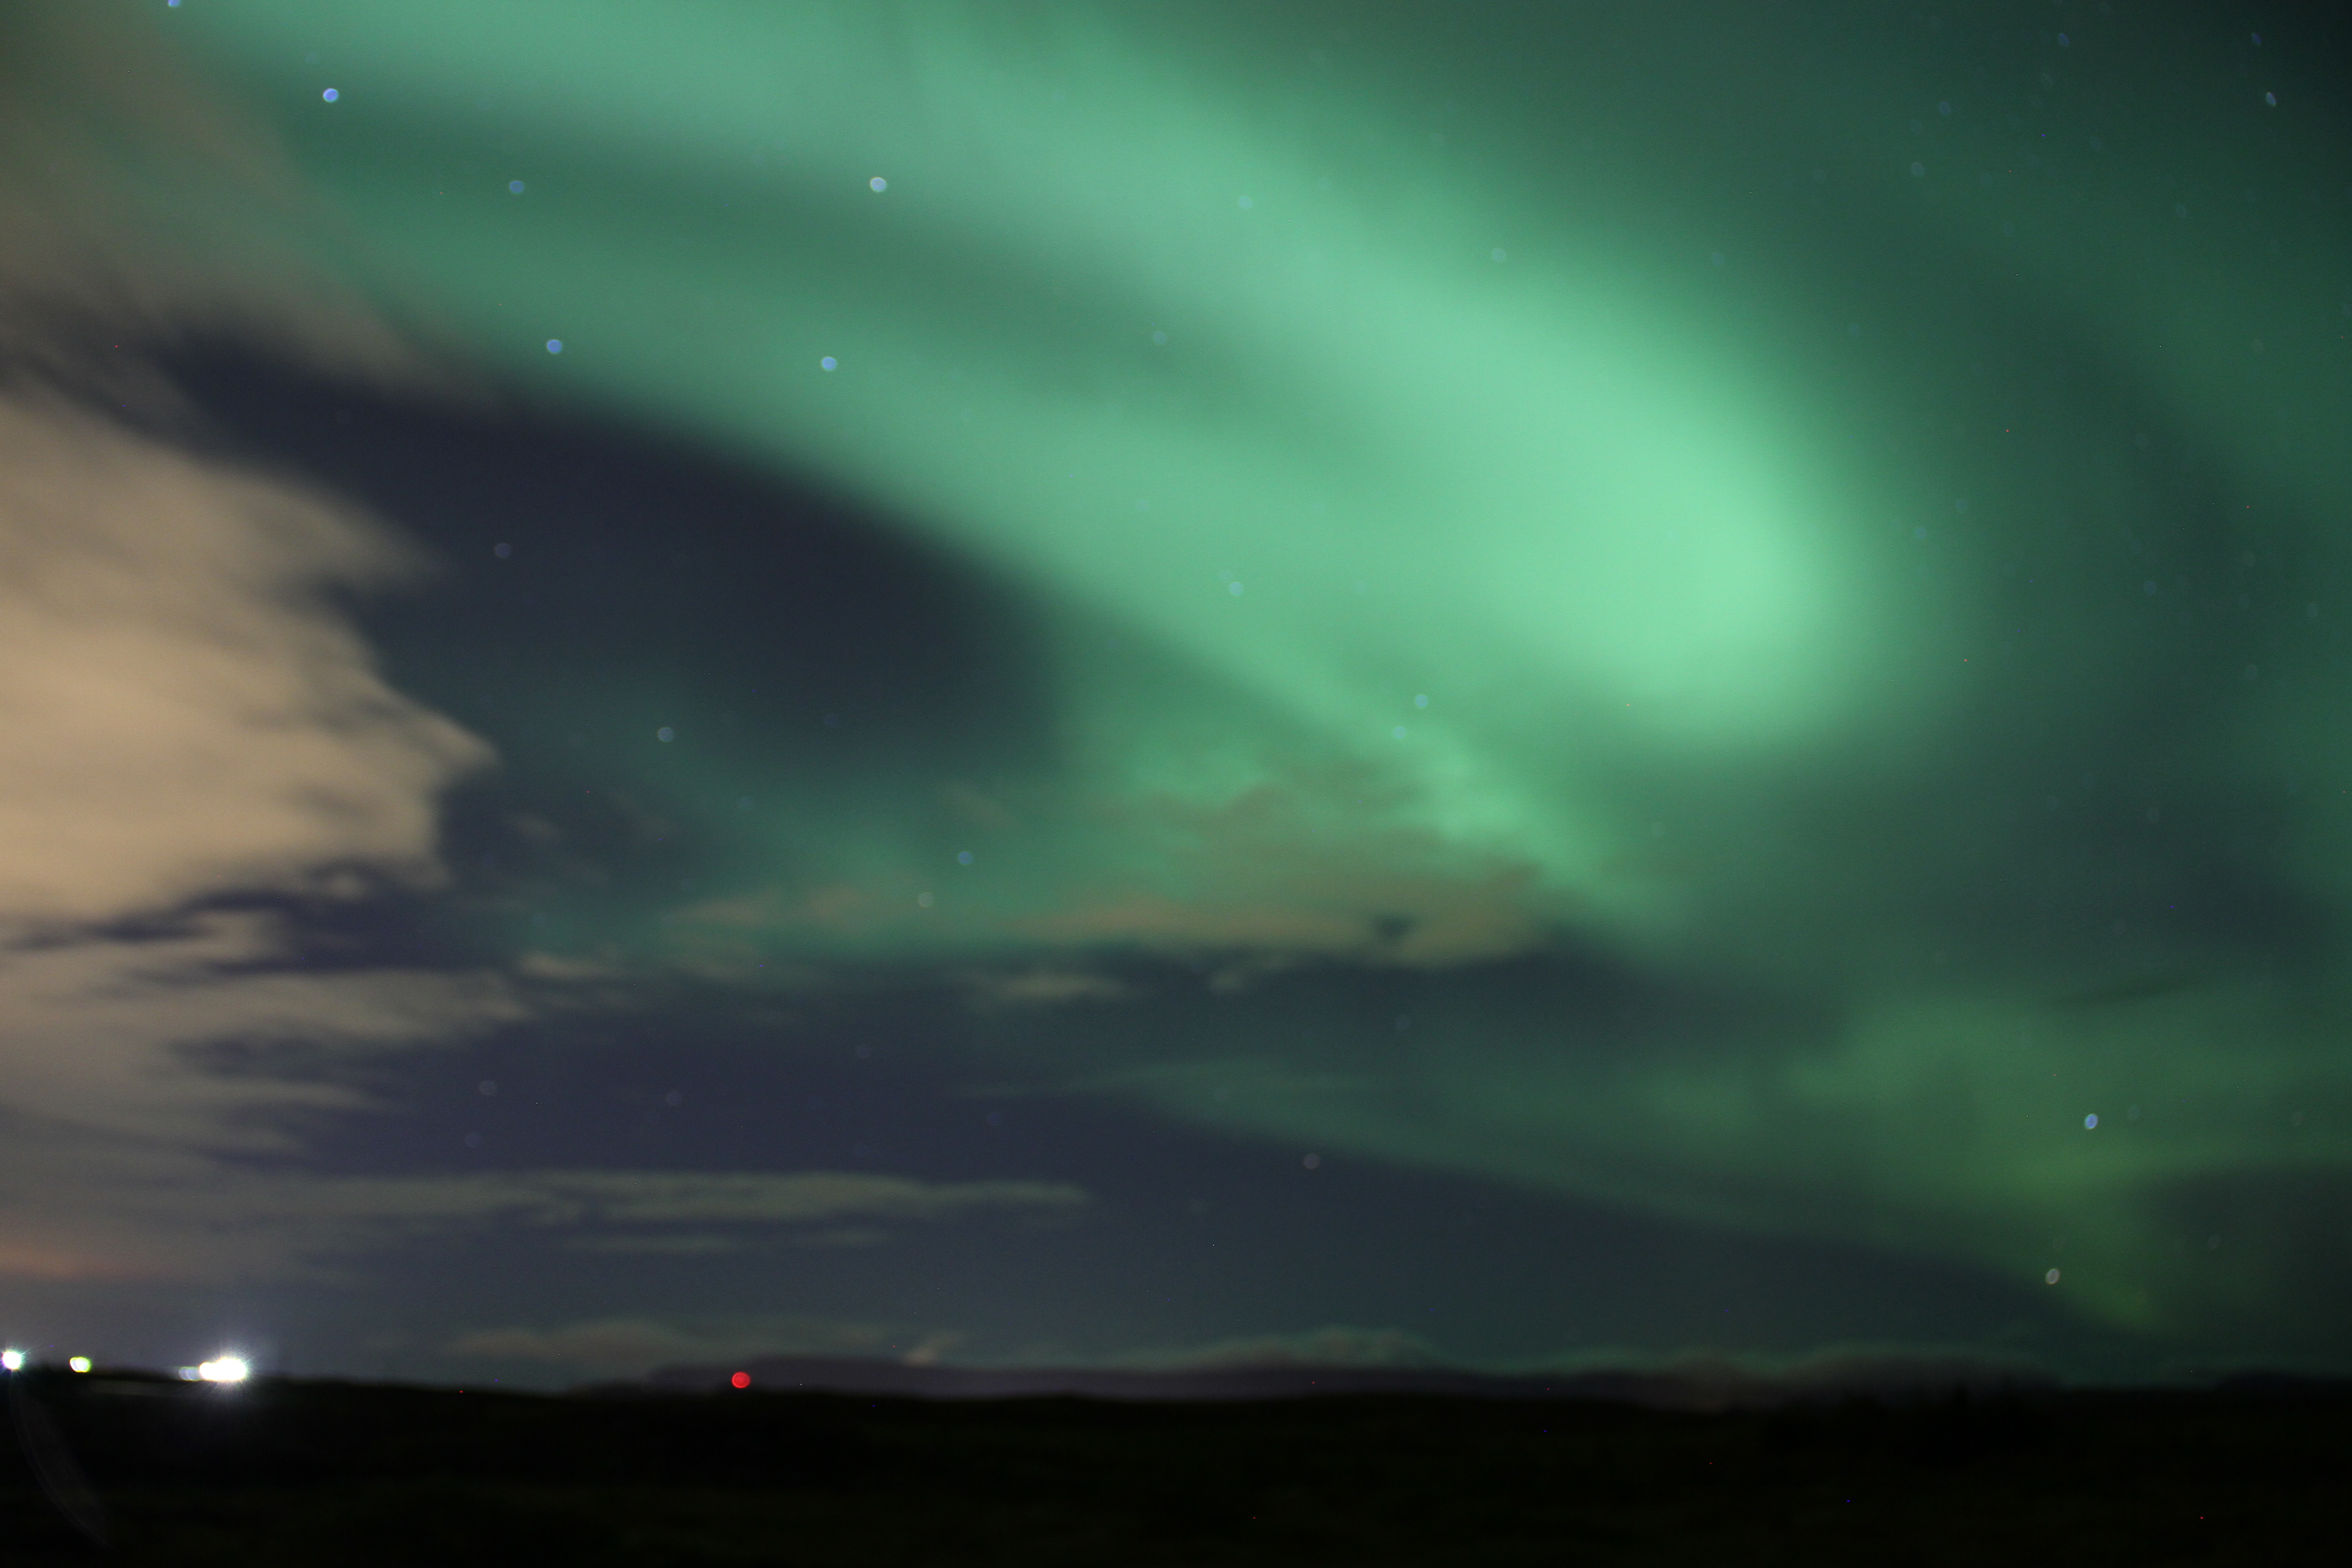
<point>1405,1467</point>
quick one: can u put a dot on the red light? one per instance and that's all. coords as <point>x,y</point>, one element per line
<point>742,1380</point>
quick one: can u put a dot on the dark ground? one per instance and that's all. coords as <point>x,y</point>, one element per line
<point>347,1474</point>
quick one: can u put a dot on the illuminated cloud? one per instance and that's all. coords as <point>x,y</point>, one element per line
<point>185,717</point>
<point>184,713</point>
<point>188,719</point>
<point>101,1037</point>
<point>145,1209</point>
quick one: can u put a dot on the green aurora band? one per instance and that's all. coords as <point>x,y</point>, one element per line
<point>1872,566</point>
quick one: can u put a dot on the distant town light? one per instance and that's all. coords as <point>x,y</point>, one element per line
<point>228,1369</point>
<point>12,1360</point>
<point>78,1363</point>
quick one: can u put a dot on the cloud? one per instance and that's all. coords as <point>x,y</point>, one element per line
<point>1295,863</point>
<point>1334,1344</point>
<point>694,1244</point>
<point>182,712</point>
<point>105,134</point>
<point>1045,987</point>
<point>94,1032</point>
<point>354,1212</point>
<point>119,1158</point>
<point>187,717</point>
<point>695,1197</point>
<point>616,1346</point>
<point>150,1209</point>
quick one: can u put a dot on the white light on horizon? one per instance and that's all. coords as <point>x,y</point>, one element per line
<point>228,1369</point>
<point>78,1363</point>
<point>12,1360</point>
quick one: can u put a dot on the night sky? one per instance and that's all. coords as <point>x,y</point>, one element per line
<point>1484,685</point>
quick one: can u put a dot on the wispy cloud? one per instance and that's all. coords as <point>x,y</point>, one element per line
<point>131,1208</point>
<point>616,1346</point>
<point>1334,1344</point>
<point>681,1197</point>
<point>1044,986</point>
<point>104,134</point>
<point>183,713</point>
<point>185,718</point>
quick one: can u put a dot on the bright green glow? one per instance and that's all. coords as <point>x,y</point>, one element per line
<point>1548,451</point>
<point>1642,527</point>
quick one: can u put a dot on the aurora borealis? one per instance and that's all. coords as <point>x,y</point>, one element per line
<point>1497,684</point>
